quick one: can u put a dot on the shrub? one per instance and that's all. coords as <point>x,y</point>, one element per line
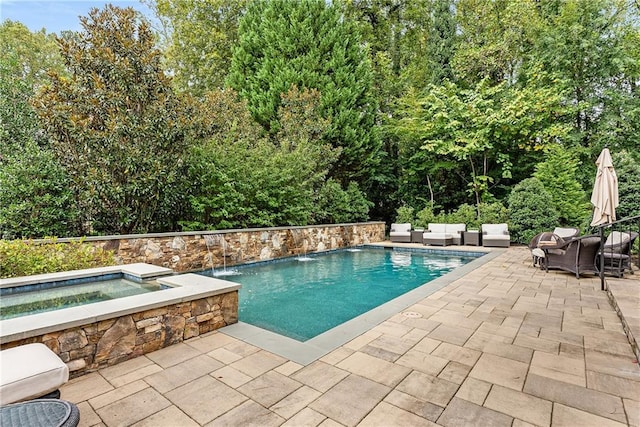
<point>628,172</point>
<point>335,205</point>
<point>24,257</point>
<point>425,216</point>
<point>558,174</point>
<point>465,214</point>
<point>35,200</point>
<point>531,210</point>
<point>405,214</point>
<point>492,213</point>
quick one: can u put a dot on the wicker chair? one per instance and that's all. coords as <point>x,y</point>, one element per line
<point>557,237</point>
<point>577,255</point>
<point>495,235</point>
<point>617,253</point>
<point>400,232</point>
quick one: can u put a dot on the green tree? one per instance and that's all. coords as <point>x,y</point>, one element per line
<point>200,39</point>
<point>531,210</point>
<point>308,44</point>
<point>115,124</point>
<point>590,48</point>
<point>335,205</point>
<point>493,36</point>
<point>558,175</point>
<point>26,58</point>
<point>247,181</point>
<point>483,128</point>
<point>35,200</point>
<point>628,171</point>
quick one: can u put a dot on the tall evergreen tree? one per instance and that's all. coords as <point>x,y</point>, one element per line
<point>307,43</point>
<point>441,42</point>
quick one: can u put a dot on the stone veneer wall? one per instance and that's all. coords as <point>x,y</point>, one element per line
<point>190,251</point>
<point>96,345</point>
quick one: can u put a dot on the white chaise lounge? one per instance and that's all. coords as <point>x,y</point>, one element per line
<point>443,234</point>
<point>495,235</point>
<point>30,371</point>
<point>400,232</point>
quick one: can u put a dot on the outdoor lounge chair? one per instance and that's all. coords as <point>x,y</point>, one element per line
<point>558,236</point>
<point>30,371</point>
<point>617,253</point>
<point>495,235</point>
<point>400,233</point>
<point>577,255</point>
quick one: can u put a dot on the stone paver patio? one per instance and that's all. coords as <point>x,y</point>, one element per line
<point>505,345</point>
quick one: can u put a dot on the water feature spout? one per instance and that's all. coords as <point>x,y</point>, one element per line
<point>304,257</point>
<point>218,239</point>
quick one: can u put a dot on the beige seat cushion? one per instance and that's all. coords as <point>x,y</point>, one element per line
<point>30,371</point>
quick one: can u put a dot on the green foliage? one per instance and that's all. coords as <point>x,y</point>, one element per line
<point>425,216</point>
<point>492,213</point>
<point>26,58</point>
<point>115,124</point>
<point>307,43</point>
<point>335,205</point>
<point>587,47</point>
<point>201,36</point>
<point>243,180</point>
<point>25,257</point>
<point>558,175</point>
<point>480,128</point>
<point>35,200</point>
<point>493,36</point>
<point>465,214</point>
<point>531,210</point>
<point>405,214</point>
<point>628,171</point>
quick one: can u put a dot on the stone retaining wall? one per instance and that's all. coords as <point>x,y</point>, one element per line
<point>192,251</point>
<point>96,345</point>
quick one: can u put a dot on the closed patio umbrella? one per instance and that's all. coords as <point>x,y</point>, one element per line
<point>605,191</point>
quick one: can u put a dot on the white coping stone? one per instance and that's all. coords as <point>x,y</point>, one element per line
<point>185,287</point>
<point>140,270</point>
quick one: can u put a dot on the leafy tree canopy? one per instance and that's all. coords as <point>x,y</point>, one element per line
<point>115,123</point>
<point>199,38</point>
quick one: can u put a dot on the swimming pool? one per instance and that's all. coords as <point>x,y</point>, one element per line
<point>302,300</point>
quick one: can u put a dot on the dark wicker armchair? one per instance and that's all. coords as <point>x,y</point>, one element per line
<point>617,253</point>
<point>577,255</point>
<point>557,237</point>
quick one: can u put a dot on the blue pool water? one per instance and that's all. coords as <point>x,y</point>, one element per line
<point>38,298</point>
<point>304,299</point>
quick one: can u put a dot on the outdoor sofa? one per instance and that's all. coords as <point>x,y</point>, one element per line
<point>443,234</point>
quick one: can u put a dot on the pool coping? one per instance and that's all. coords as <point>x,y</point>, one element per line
<point>140,271</point>
<point>307,352</point>
<point>183,288</point>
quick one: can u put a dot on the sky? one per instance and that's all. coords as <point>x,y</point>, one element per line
<point>58,15</point>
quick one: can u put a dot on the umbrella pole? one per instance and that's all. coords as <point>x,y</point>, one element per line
<point>602,258</point>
